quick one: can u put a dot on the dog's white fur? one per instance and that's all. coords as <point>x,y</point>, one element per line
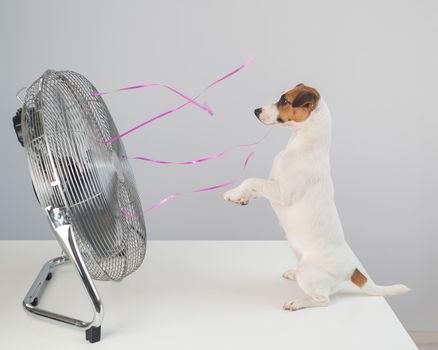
<point>300,190</point>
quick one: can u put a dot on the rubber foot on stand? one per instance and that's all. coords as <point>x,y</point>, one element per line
<point>93,334</point>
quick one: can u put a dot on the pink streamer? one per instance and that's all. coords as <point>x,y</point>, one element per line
<point>197,190</point>
<point>247,160</point>
<point>200,160</point>
<point>204,106</point>
<point>161,115</point>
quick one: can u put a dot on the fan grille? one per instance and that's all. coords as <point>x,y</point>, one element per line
<point>91,181</point>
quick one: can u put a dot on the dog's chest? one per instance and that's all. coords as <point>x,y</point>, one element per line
<point>281,167</point>
<point>277,165</point>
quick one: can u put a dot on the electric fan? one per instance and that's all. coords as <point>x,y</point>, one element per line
<point>85,187</point>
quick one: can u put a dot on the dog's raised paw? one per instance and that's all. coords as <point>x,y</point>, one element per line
<point>236,196</point>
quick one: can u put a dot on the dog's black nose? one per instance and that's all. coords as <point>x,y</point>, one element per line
<point>257,112</point>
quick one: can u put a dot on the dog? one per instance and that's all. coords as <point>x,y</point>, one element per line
<point>300,190</point>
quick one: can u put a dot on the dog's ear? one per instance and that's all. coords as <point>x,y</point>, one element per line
<point>306,99</point>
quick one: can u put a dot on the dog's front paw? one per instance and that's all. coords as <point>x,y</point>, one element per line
<point>238,196</point>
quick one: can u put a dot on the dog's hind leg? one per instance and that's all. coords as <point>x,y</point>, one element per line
<point>316,283</point>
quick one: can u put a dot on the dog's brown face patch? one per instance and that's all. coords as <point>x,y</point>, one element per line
<point>297,104</point>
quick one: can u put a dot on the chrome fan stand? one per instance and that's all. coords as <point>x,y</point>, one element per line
<point>66,238</point>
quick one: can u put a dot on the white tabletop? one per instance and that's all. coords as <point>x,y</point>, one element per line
<point>192,295</point>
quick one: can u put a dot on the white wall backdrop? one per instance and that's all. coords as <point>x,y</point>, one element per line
<point>375,62</point>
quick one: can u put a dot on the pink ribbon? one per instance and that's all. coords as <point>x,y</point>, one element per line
<point>200,160</point>
<point>204,106</point>
<point>189,100</point>
<point>170,111</point>
<point>178,194</point>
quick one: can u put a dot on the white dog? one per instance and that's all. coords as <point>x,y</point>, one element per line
<point>300,190</point>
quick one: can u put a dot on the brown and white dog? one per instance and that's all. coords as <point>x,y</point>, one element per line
<point>300,190</point>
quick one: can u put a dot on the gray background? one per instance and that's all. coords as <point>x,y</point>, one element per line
<point>375,63</point>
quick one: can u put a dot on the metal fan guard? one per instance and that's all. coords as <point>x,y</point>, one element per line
<point>90,182</point>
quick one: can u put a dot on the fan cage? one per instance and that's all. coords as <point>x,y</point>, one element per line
<point>90,181</point>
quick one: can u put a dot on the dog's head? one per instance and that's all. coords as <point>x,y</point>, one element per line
<point>294,106</point>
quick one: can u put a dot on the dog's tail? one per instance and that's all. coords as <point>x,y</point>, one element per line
<point>368,286</point>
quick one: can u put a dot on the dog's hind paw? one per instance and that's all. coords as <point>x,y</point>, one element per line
<point>290,274</point>
<point>302,303</point>
<point>289,307</point>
